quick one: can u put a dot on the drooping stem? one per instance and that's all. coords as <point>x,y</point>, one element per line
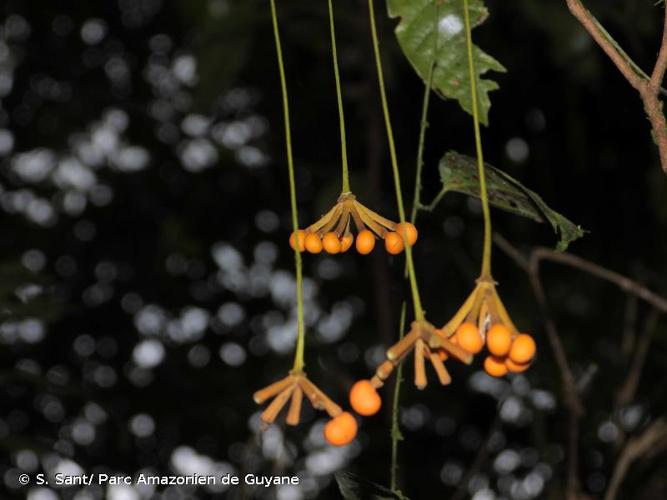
<point>395,426</point>
<point>416,203</point>
<point>301,332</point>
<point>423,123</point>
<point>486,256</point>
<point>419,312</point>
<point>339,96</point>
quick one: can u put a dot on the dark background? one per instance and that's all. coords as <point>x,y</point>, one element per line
<point>147,285</point>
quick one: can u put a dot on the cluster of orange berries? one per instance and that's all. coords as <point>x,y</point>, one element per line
<point>507,353</point>
<point>333,232</point>
<point>364,400</point>
<point>332,243</point>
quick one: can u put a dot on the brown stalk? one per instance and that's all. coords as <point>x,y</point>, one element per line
<point>368,220</point>
<point>648,88</point>
<point>443,374</point>
<point>318,399</point>
<point>653,439</point>
<point>273,389</point>
<point>294,412</point>
<point>439,341</point>
<point>420,370</point>
<point>272,411</point>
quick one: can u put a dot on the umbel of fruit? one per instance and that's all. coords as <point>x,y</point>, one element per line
<point>341,428</point>
<point>482,321</point>
<point>428,343</point>
<point>333,232</point>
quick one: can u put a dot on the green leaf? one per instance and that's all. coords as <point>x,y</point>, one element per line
<point>459,173</point>
<point>353,487</point>
<point>422,21</point>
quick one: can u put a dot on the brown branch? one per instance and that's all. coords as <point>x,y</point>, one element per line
<point>531,267</point>
<point>623,282</point>
<point>659,303</point>
<point>648,89</point>
<point>654,436</point>
<point>661,64</point>
<point>629,388</point>
<point>590,24</point>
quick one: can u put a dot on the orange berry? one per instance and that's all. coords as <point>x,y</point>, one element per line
<point>365,242</point>
<point>523,349</point>
<point>299,235</point>
<point>313,243</point>
<point>495,366</point>
<point>499,340</point>
<point>409,231</point>
<point>516,367</point>
<point>346,242</point>
<point>468,337</point>
<point>364,399</point>
<point>393,243</point>
<point>331,243</point>
<point>341,429</point>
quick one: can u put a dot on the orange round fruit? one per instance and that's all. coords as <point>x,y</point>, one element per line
<point>393,243</point>
<point>495,366</point>
<point>523,349</point>
<point>299,236</point>
<point>364,399</point>
<point>468,337</point>
<point>331,243</point>
<point>313,243</point>
<point>408,230</point>
<point>516,367</point>
<point>365,242</point>
<point>346,242</point>
<point>499,340</point>
<point>341,429</point>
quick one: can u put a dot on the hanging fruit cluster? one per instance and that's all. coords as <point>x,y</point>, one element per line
<point>482,321</point>
<point>333,232</point>
<point>341,428</point>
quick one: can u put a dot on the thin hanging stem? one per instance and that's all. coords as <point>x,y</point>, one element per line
<point>486,256</point>
<point>396,435</point>
<point>419,312</point>
<point>300,342</point>
<point>423,123</point>
<point>416,199</point>
<point>339,96</point>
